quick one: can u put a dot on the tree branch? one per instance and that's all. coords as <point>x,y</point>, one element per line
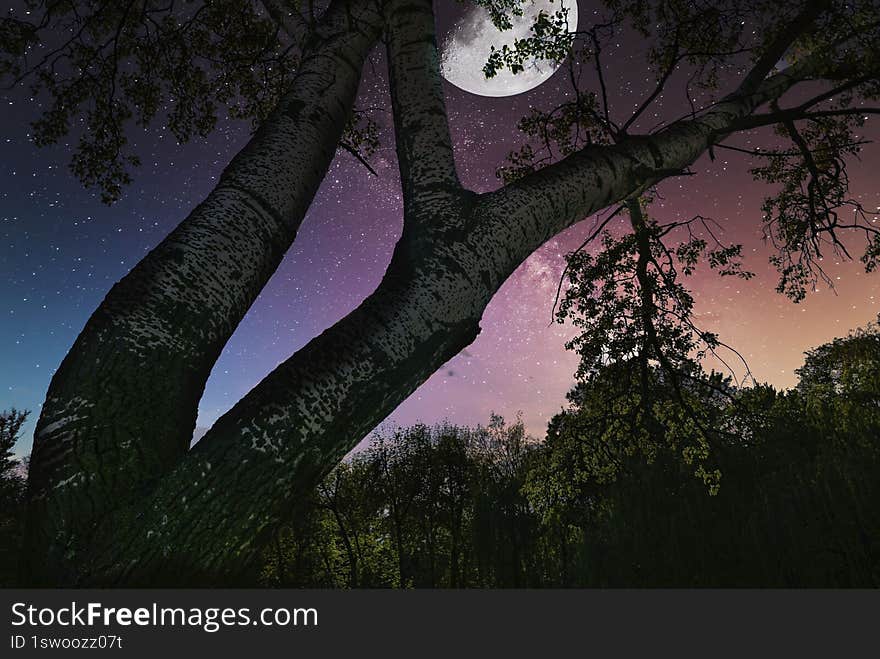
<point>786,115</point>
<point>353,151</point>
<point>780,45</point>
<point>424,146</point>
<point>554,197</point>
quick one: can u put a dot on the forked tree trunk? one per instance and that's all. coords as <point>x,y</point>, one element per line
<point>124,401</point>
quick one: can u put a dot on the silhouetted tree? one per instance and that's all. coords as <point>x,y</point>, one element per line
<point>12,490</point>
<point>796,502</point>
<point>116,494</point>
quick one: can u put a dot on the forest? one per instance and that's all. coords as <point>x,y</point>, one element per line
<point>797,503</point>
<point>794,500</point>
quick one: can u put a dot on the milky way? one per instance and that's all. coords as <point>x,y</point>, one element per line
<point>62,251</point>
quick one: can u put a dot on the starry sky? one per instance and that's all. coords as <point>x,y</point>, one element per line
<point>62,250</point>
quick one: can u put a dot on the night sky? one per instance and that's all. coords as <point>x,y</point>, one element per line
<point>62,250</point>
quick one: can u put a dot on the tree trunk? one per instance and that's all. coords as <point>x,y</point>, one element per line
<point>349,549</point>
<point>205,520</point>
<point>121,409</point>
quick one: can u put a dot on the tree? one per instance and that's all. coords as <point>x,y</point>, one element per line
<point>797,503</point>
<point>116,495</point>
<point>419,507</point>
<point>11,495</point>
<point>849,366</point>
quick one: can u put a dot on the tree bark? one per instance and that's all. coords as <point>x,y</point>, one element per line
<point>206,520</point>
<point>121,409</point>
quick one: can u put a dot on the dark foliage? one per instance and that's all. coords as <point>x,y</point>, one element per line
<point>12,488</point>
<point>796,501</point>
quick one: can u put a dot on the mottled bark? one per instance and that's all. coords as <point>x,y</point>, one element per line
<point>121,408</point>
<point>424,147</point>
<point>553,198</point>
<point>206,520</point>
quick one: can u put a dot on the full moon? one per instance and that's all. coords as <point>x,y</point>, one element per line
<point>467,47</point>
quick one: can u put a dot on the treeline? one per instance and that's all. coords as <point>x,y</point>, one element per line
<point>792,497</point>
<point>421,507</point>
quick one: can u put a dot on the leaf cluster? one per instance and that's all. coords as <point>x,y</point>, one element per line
<point>106,66</point>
